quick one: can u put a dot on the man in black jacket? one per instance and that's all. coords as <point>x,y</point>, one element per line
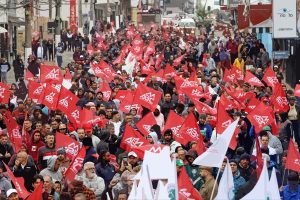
<point>18,67</point>
<point>25,169</point>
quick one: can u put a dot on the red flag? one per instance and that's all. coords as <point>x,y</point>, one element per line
<point>119,59</point>
<point>18,183</point>
<point>74,116</point>
<point>150,49</point>
<point>50,74</point>
<point>121,94</point>
<point>50,96</point>
<point>252,105</point>
<point>145,124</point>
<point>159,60</point>
<point>199,147</point>
<point>76,165</point>
<point>229,76</point>
<point>147,97</point>
<point>108,70</point>
<point>297,90</point>
<point>252,79</point>
<point>4,93</point>
<point>194,92</point>
<point>223,119</point>
<point>270,78</point>
<point>66,101</point>
<point>13,131</point>
<point>228,104</point>
<point>261,117</point>
<point>90,48</point>
<point>293,158</point>
<point>29,76</point>
<point>239,74</point>
<point>178,60</point>
<point>174,122</point>
<point>99,72</point>
<point>204,108</point>
<point>137,50</point>
<point>106,90</point>
<point>259,161</point>
<point>279,100</point>
<point>145,68</point>
<point>34,90</point>
<point>132,138</point>
<point>189,130</point>
<point>127,103</point>
<point>70,145</point>
<point>68,75</point>
<point>154,148</point>
<point>186,189</point>
<point>182,84</point>
<point>37,193</point>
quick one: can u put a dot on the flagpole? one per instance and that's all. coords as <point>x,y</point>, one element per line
<point>283,177</point>
<point>213,190</point>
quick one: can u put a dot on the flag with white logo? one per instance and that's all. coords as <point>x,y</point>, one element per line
<point>132,138</point>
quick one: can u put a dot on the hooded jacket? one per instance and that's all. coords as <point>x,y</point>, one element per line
<point>154,137</point>
<point>33,148</point>
<point>49,171</point>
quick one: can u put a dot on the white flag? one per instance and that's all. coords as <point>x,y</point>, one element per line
<point>226,186</point>
<point>161,191</point>
<point>145,188</point>
<point>215,154</point>
<point>133,191</point>
<point>273,191</point>
<point>259,192</point>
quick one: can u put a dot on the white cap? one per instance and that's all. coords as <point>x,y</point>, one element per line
<point>131,153</point>
<point>11,191</point>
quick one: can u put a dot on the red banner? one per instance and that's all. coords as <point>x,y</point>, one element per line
<point>73,17</point>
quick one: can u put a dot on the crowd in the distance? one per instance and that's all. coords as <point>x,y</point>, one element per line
<point>108,170</point>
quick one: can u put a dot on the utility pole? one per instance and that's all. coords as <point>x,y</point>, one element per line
<point>80,14</point>
<point>108,11</point>
<point>57,22</point>
<point>28,29</point>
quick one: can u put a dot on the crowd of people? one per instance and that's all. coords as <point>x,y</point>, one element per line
<point>108,170</point>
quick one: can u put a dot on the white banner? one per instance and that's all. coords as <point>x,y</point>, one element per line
<point>284,19</point>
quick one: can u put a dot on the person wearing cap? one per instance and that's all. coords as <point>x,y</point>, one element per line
<point>25,169</point>
<point>193,170</point>
<point>52,169</point>
<point>88,128</point>
<point>209,181</point>
<point>131,164</point>
<point>179,165</point>
<point>244,167</point>
<point>205,128</point>
<point>91,180</point>
<point>238,180</point>
<point>12,194</point>
<point>292,190</point>
<point>5,184</point>
<point>294,117</point>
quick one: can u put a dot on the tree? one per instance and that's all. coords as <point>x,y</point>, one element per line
<point>202,12</point>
